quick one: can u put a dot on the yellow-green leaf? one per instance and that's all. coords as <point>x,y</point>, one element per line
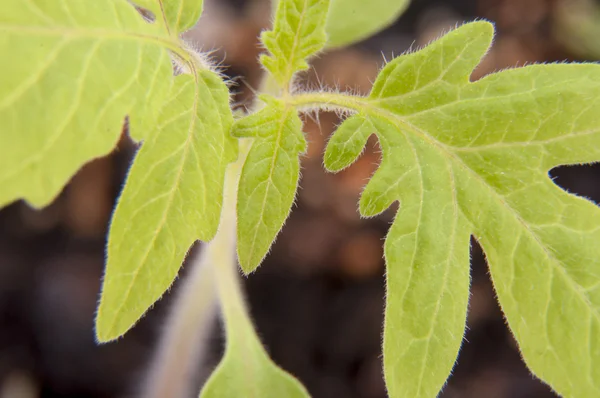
<point>467,158</point>
<point>298,33</point>
<point>173,196</point>
<point>269,178</point>
<point>71,71</point>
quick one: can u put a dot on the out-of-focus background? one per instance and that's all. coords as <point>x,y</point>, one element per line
<point>318,299</point>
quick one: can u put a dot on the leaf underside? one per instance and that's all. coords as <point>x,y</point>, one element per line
<point>472,158</point>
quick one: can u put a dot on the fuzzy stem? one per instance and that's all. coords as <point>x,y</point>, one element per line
<point>187,329</point>
<point>324,100</point>
<point>226,271</point>
<point>183,342</point>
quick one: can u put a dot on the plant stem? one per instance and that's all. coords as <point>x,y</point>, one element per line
<point>328,101</point>
<point>187,329</point>
<point>223,253</point>
<point>181,346</point>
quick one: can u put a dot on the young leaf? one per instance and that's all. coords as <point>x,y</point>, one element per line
<point>298,33</point>
<point>73,69</point>
<point>269,178</point>
<point>473,158</point>
<point>247,371</point>
<point>176,15</point>
<point>173,196</point>
<point>350,21</point>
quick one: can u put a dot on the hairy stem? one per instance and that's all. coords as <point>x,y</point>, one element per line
<point>233,306</point>
<point>328,101</point>
<point>187,329</point>
<point>182,344</point>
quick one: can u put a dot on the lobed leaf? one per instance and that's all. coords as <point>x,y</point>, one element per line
<point>269,178</point>
<point>176,16</point>
<point>173,196</point>
<point>298,33</point>
<point>73,70</point>
<point>473,158</point>
<point>350,21</point>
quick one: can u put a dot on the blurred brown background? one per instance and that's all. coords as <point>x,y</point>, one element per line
<point>318,299</point>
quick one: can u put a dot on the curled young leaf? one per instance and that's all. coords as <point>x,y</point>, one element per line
<point>298,33</point>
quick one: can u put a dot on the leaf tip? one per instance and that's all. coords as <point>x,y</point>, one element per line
<point>104,328</point>
<point>485,28</point>
<point>110,325</point>
<point>248,264</point>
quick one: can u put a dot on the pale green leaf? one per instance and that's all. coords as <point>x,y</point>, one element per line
<point>269,178</point>
<point>72,70</point>
<point>247,371</point>
<point>173,196</point>
<point>426,251</point>
<point>176,15</point>
<point>350,21</point>
<point>468,158</point>
<point>298,33</point>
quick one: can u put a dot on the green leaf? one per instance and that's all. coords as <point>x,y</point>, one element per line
<point>468,158</point>
<point>426,251</point>
<point>350,21</point>
<point>247,371</point>
<point>298,33</point>
<point>176,15</point>
<point>72,70</point>
<point>269,178</point>
<point>173,196</point>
